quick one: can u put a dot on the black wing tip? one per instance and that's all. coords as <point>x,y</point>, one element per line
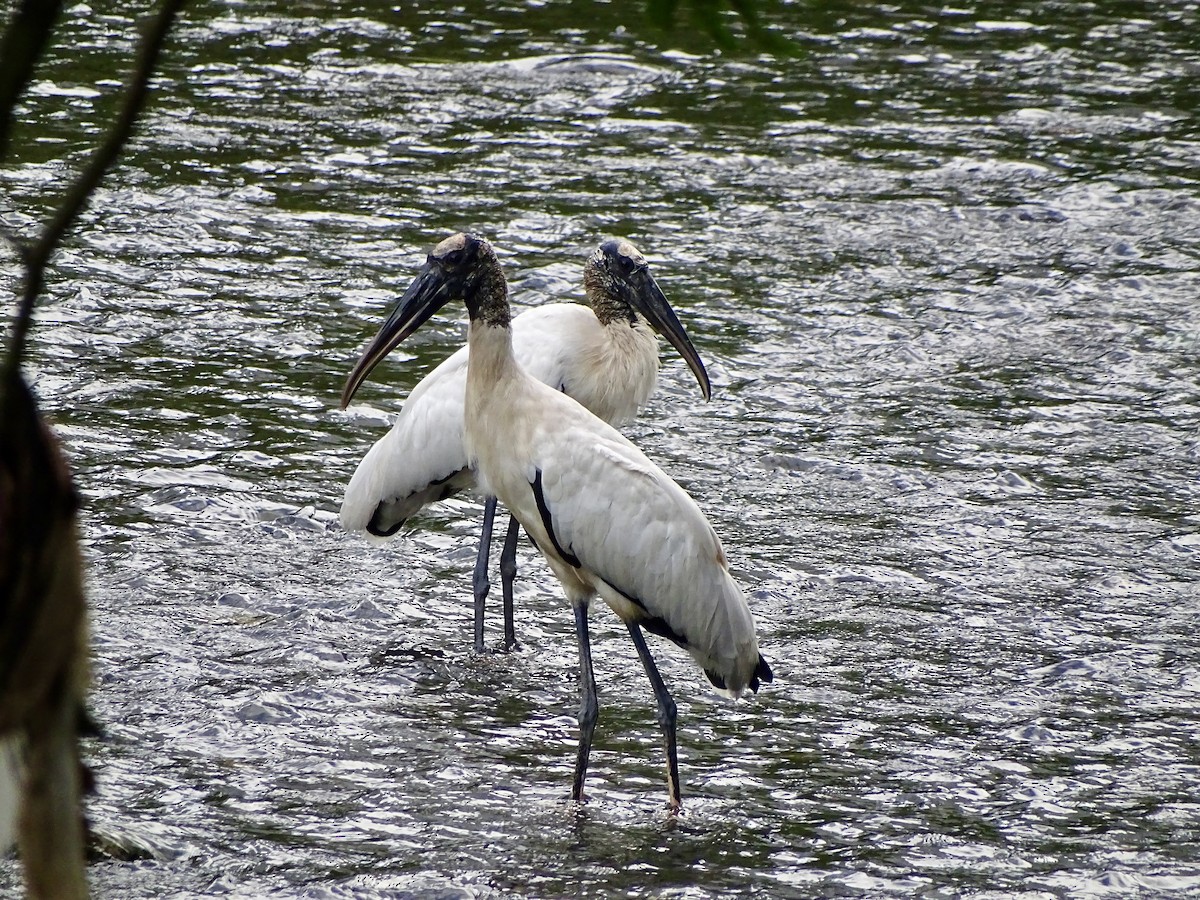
<point>376,527</point>
<point>762,674</point>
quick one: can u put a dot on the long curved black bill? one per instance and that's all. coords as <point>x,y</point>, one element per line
<point>647,298</point>
<point>425,296</point>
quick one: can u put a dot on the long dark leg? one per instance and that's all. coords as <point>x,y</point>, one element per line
<point>590,708</point>
<point>480,581</point>
<point>666,712</point>
<point>508,574</point>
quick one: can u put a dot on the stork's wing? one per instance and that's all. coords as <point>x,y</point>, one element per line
<point>420,460</point>
<point>614,514</point>
<point>547,340</point>
<point>624,520</point>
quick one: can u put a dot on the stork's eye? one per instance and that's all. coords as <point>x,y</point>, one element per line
<point>626,265</point>
<point>453,259</point>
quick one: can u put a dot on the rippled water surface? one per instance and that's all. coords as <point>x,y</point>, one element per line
<point>943,267</point>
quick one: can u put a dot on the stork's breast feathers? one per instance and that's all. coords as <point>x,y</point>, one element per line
<point>547,340</point>
<point>610,370</point>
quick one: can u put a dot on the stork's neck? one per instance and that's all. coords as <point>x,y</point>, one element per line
<point>609,308</point>
<point>493,378</point>
<point>490,358</point>
<point>487,301</point>
<point>491,325</point>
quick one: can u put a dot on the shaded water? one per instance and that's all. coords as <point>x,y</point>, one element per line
<point>943,269</point>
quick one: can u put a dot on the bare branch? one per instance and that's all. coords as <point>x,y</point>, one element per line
<point>26,38</point>
<point>80,192</point>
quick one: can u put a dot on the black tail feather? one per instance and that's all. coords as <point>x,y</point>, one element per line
<point>762,674</point>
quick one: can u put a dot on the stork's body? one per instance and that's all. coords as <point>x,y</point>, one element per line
<point>608,521</point>
<point>610,369</point>
<point>604,356</point>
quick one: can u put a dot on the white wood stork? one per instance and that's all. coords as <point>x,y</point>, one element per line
<point>608,521</point>
<point>606,357</point>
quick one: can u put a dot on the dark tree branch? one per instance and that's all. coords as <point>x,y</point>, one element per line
<point>37,255</point>
<point>23,44</point>
<point>43,634</point>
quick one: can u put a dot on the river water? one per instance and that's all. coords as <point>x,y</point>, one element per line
<point>943,267</point>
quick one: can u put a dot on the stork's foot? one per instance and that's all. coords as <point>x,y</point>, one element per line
<point>498,650</point>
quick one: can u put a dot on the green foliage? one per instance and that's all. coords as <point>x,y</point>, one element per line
<point>710,17</point>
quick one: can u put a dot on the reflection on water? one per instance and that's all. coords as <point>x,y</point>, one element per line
<point>942,267</point>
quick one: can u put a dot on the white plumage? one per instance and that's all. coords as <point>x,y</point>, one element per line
<point>612,370</point>
<point>608,521</point>
<point>604,356</point>
<point>641,543</point>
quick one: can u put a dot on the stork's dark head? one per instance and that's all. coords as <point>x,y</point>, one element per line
<point>620,287</point>
<point>462,267</point>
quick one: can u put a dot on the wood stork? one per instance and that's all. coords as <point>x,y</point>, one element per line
<point>606,357</point>
<point>608,521</point>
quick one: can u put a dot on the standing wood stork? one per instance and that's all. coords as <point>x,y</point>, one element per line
<point>606,357</point>
<point>608,521</point>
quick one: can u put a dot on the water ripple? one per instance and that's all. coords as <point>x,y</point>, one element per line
<point>942,269</point>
